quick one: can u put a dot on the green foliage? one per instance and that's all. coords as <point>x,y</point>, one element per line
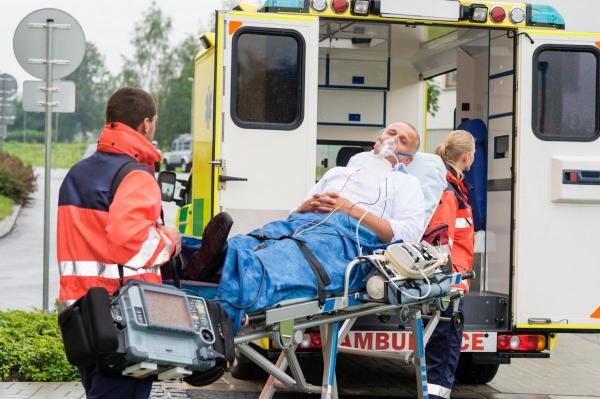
<point>151,66</point>
<point>16,179</point>
<point>30,136</point>
<point>5,206</point>
<point>94,84</point>
<point>64,155</point>
<point>31,348</point>
<point>433,97</point>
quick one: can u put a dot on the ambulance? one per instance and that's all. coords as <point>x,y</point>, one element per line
<point>286,91</point>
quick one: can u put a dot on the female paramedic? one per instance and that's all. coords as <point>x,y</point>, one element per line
<point>443,349</point>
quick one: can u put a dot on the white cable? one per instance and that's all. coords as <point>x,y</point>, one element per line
<point>357,236</point>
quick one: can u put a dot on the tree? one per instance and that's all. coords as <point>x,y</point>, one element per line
<point>175,106</point>
<point>151,65</point>
<point>93,84</point>
<point>433,96</point>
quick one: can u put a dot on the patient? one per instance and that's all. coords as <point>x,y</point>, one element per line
<point>376,182</point>
<point>351,211</point>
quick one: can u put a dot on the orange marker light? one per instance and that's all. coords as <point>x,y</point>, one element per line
<point>234,26</point>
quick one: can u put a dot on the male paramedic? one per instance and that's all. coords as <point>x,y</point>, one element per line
<point>95,236</point>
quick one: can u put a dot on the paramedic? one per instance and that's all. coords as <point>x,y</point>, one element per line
<point>392,207</point>
<point>443,349</point>
<point>95,236</point>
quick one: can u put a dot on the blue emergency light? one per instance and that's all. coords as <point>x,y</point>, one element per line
<point>286,5</point>
<point>545,16</point>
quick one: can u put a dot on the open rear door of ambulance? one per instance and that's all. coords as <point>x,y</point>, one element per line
<point>557,189</point>
<point>265,130</point>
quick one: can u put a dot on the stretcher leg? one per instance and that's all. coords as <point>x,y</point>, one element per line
<point>416,323</point>
<point>329,337</point>
<point>269,389</point>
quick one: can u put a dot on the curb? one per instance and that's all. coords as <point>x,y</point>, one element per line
<point>9,222</point>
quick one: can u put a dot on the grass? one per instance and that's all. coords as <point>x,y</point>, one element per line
<point>5,206</point>
<point>64,155</point>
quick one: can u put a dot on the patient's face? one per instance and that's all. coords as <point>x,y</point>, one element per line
<point>406,140</point>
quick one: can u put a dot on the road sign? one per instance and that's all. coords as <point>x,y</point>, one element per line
<point>34,96</point>
<point>49,44</point>
<point>29,43</point>
<point>8,86</point>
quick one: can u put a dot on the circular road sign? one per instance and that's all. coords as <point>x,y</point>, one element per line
<point>8,86</point>
<point>68,47</point>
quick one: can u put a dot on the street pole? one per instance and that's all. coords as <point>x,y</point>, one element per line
<point>24,125</point>
<point>48,132</point>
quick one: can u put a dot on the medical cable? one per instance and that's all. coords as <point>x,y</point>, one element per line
<point>322,221</point>
<point>255,300</point>
<point>313,220</point>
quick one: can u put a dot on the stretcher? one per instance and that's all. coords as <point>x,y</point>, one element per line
<point>286,322</point>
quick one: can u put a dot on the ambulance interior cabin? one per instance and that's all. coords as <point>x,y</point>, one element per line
<point>373,74</point>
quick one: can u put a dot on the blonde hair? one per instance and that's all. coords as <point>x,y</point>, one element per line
<point>454,146</point>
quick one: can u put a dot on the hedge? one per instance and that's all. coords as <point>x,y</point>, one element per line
<point>31,136</point>
<point>31,348</point>
<point>16,179</point>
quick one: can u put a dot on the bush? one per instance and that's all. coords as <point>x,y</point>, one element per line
<point>31,348</point>
<point>31,136</point>
<point>16,179</point>
<point>5,206</point>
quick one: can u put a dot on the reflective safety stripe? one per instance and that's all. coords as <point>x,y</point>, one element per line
<point>147,251</point>
<point>463,223</point>
<point>97,269</point>
<point>439,390</point>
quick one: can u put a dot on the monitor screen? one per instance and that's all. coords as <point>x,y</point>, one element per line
<point>167,310</point>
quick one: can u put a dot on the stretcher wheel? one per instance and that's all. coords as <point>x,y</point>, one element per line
<point>457,320</point>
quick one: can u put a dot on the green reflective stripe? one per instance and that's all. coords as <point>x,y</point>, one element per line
<point>198,217</point>
<point>183,214</point>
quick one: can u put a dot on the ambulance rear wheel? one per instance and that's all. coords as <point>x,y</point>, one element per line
<point>244,369</point>
<point>468,372</point>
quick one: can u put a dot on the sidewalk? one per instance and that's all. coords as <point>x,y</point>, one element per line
<point>74,390</point>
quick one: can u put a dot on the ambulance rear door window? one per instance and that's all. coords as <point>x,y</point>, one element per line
<point>565,93</point>
<point>267,79</point>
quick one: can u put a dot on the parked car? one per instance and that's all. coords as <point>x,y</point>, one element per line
<point>180,153</point>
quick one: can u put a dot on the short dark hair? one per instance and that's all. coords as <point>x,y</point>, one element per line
<point>130,106</point>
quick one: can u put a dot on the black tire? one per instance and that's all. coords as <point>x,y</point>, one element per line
<point>244,369</point>
<point>470,373</point>
<point>168,166</point>
<point>188,167</point>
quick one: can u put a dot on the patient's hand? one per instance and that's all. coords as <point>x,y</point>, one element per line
<point>314,204</point>
<point>333,201</point>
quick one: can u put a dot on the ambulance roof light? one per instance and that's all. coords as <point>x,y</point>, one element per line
<point>545,16</point>
<point>361,7</point>
<point>319,5</point>
<point>497,14</point>
<point>339,6</point>
<point>474,13</point>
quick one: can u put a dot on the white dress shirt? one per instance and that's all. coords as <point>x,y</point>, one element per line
<point>396,196</point>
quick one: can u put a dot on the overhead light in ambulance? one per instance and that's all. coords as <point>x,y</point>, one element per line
<point>339,6</point>
<point>361,7</point>
<point>497,14</point>
<point>319,5</point>
<point>516,15</point>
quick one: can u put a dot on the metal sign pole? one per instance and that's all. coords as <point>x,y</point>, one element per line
<point>48,130</point>
<point>2,119</point>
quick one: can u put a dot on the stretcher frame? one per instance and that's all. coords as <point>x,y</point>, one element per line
<point>286,325</point>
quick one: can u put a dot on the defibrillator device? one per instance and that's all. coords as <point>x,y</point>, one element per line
<point>148,330</point>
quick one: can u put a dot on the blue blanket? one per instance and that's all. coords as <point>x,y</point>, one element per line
<point>260,273</point>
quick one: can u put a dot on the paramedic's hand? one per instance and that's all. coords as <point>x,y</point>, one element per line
<point>175,235</point>
<point>313,204</point>
<point>333,201</point>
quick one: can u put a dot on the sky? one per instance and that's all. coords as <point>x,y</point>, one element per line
<point>109,23</point>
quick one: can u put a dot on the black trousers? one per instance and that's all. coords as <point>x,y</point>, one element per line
<point>441,356</point>
<point>99,386</point>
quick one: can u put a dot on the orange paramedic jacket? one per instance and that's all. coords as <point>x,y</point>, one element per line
<point>455,211</point>
<point>93,237</point>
